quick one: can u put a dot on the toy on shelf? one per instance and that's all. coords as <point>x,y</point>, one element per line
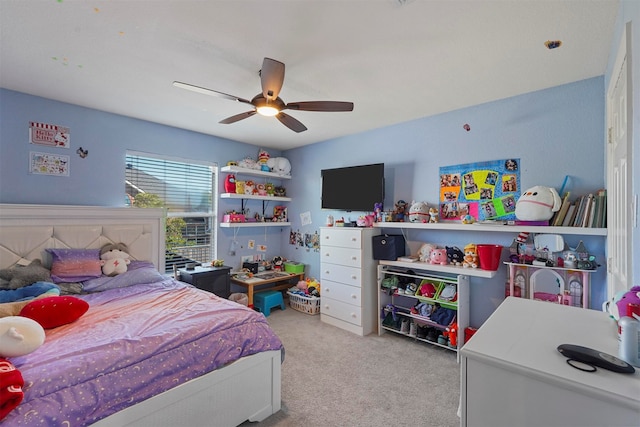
<point>470,256</point>
<point>425,251</point>
<point>418,212</point>
<point>263,157</point>
<point>454,255</point>
<point>538,204</point>
<point>433,215</point>
<point>230,183</point>
<point>468,219</point>
<point>399,212</point>
<point>438,256</point>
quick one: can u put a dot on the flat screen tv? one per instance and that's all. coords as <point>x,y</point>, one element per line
<point>354,188</point>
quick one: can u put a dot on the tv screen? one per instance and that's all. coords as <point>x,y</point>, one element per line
<point>355,188</point>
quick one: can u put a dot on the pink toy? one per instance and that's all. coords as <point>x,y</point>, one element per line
<point>438,256</point>
<point>632,296</point>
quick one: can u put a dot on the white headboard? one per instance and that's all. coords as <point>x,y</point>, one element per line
<point>27,230</point>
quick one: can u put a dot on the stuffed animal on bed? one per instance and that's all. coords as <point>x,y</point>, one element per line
<point>20,276</point>
<point>114,259</point>
<point>18,336</point>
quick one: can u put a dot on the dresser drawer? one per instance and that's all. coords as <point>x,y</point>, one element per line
<point>341,310</point>
<point>342,292</point>
<point>340,273</point>
<point>343,256</point>
<point>342,237</point>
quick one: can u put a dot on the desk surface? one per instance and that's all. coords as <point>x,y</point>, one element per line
<point>265,278</point>
<point>522,335</point>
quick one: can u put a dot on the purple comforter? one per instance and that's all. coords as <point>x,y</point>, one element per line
<point>132,344</point>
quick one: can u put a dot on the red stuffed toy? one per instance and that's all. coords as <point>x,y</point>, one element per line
<point>11,393</point>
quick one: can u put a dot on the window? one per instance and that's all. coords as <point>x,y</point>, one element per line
<point>186,189</point>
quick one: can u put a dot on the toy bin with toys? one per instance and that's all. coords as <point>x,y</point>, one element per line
<point>305,304</point>
<point>305,296</point>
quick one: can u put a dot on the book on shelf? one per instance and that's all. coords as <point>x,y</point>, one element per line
<point>601,215</point>
<point>571,213</point>
<point>586,214</point>
<point>562,212</point>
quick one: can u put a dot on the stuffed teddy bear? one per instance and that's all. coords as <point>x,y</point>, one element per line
<point>470,256</point>
<point>538,204</point>
<point>114,259</point>
<point>20,276</point>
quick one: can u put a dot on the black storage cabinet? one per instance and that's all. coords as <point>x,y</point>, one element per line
<point>216,280</point>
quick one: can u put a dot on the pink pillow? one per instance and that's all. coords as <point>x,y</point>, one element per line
<point>51,312</point>
<point>74,265</point>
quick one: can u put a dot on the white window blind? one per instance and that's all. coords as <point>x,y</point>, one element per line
<point>186,189</point>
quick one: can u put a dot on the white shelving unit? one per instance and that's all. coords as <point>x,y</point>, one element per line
<point>585,231</point>
<point>243,197</point>
<point>432,272</point>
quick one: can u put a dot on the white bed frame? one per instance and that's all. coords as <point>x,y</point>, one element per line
<point>248,389</point>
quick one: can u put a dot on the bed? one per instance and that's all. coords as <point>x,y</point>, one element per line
<point>197,359</point>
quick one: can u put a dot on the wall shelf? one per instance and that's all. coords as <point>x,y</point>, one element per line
<point>253,172</point>
<point>584,231</point>
<point>254,197</point>
<point>253,224</point>
<point>450,269</point>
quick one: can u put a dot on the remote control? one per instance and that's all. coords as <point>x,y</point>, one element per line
<point>595,358</point>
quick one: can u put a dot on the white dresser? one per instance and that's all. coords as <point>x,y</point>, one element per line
<point>513,375</point>
<point>348,279</point>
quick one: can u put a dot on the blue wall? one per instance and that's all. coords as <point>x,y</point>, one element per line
<point>555,132</point>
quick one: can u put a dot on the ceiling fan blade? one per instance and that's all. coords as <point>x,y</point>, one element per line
<point>320,106</point>
<point>211,92</point>
<point>271,78</point>
<point>237,117</point>
<point>290,122</point>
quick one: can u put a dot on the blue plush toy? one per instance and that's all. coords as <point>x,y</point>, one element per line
<point>29,292</point>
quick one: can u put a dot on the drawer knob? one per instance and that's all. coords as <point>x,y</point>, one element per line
<point>354,277</point>
<point>355,258</point>
<point>353,239</point>
<point>354,296</point>
<point>353,315</point>
<point>326,307</point>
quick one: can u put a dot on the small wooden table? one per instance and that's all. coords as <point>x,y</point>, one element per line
<point>279,279</point>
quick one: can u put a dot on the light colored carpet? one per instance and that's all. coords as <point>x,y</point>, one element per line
<point>331,377</point>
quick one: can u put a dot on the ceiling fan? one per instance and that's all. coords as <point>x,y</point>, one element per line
<point>268,103</point>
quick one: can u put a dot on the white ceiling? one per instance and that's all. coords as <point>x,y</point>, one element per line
<point>397,60</point>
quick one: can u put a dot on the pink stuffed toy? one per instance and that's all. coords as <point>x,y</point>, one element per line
<point>630,297</point>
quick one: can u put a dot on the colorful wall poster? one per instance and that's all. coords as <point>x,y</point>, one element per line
<point>49,135</point>
<point>484,190</point>
<point>48,164</point>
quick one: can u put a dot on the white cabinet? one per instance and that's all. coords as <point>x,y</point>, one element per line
<point>268,177</point>
<point>348,279</point>
<point>513,375</point>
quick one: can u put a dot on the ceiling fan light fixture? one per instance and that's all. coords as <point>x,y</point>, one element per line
<point>267,110</point>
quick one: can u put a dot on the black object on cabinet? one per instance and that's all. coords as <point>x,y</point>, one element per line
<point>216,280</point>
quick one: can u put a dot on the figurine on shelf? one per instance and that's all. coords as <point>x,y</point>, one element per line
<point>468,219</point>
<point>470,256</point>
<point>399,212</point>
<point>433,215</point>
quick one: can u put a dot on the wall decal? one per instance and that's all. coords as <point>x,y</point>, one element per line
<point>49,135</point>
<point>48,164</point>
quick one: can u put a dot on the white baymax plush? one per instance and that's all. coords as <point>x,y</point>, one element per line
<point>538,204</point>
<point>114,259</point>
<point>279,165</point>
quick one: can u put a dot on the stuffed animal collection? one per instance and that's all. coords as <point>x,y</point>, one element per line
<point>265,163</point>
<point>470,256</point>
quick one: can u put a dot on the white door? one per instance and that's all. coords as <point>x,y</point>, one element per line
<point>620,200</point>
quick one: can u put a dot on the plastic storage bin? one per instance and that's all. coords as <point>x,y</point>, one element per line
<point>304,304</point>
